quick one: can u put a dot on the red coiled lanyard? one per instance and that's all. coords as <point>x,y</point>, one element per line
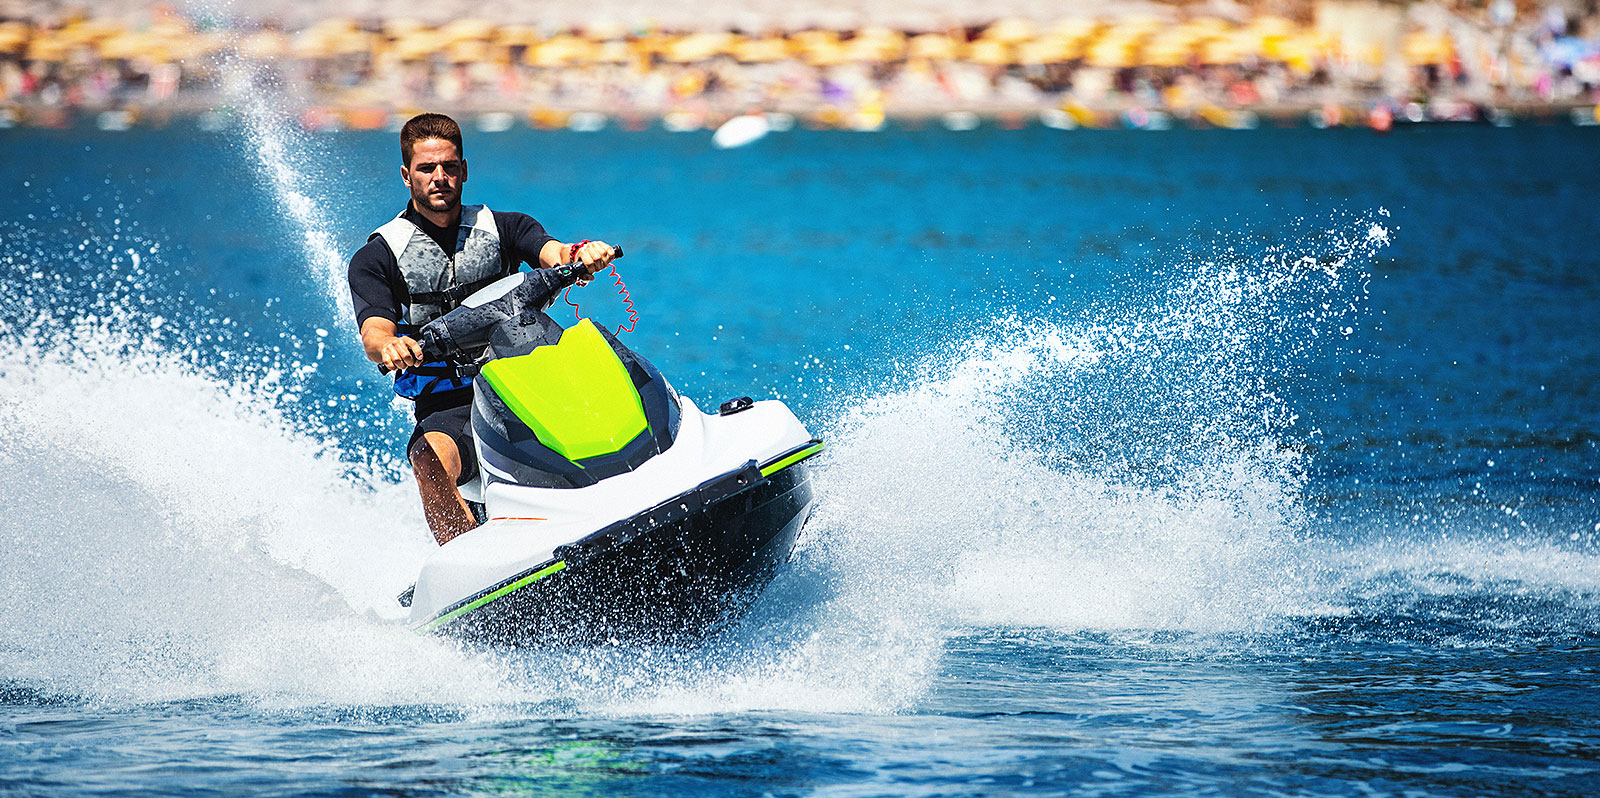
<point>622,290</point>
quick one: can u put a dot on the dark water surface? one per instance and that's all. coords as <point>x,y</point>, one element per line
<point>1190,462</point>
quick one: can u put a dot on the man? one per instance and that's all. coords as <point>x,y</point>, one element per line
<point>421,265</point>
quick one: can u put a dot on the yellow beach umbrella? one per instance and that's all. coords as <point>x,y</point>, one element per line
<point>888,37</point>
<point>1172,39</point>
<point>700,47</point>
<point>468,51</point>
<point>652,44</point>
<point>1230,49</point>
<point>1112,53</point>
<point>990,52</point>
<point>933,46</point>
<point>468,29</point>
<point>130,45</point>
<point>1047,50</point>
<point>1420,49</point>
<point>1267,33</point>
<point>1167,54</point>
<point>1011,30</point>
<point>824,52</point>
<point>418,45</point>
<point>14,37</point>
<point>1118,46</point>
<point>118,47</point>
<point>1301,53</point>
<point>88,32</point>
<point>558,51</point>
<point>516,36</point>
<point>876,45</point>
<point>803,40</point>
<point>47,49</point>
<point>760,51</point>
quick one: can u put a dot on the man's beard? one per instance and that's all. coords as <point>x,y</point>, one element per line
<point>425,200</point>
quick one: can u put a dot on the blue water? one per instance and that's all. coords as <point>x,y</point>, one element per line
<point>1191,462</point>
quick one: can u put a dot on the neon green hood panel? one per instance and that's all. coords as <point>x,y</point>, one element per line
<point>575,395</point>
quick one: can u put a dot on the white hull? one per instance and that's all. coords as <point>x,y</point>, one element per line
<point>526,525</point>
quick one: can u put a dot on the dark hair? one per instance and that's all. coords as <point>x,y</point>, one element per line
<point>428,126</point>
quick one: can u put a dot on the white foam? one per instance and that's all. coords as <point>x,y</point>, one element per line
<point>174,536</point>
<point>931,501</point>
<point>178,536</point>
<point>1433,564</point>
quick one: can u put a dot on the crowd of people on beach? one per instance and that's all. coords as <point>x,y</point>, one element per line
<point>1334,58</point>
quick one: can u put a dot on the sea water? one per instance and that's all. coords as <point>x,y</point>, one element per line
<point>1184,462</point>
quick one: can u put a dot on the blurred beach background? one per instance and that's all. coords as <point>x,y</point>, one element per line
<point>836,64</point>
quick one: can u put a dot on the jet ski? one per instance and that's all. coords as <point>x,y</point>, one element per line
<point>612,507</point>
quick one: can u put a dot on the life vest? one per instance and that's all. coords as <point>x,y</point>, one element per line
<point>438,281</point>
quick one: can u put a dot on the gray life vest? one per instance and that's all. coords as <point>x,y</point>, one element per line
<point>437,280</point>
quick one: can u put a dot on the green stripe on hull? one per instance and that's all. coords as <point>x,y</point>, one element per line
<point>769,470</point>
<point>558,565</point>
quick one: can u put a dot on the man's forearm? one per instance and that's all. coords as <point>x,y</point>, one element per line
<point>376,333</point>
<point>553,253</point>
<point>372,344</point>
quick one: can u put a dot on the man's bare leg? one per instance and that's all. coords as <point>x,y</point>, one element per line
<point>437,464</point>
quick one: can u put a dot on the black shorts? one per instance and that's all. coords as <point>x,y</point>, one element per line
<point>456,422</point>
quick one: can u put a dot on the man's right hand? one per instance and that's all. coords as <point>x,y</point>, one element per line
<point>383,347</point>
<point>400,353</point>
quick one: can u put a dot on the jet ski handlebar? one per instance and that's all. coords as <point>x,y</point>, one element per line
<point>576,269</point>
<point>451,337</point>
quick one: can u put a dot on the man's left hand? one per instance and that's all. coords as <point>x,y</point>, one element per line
<point>594,255</point>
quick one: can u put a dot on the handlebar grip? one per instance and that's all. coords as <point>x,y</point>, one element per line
<point>616,253</point>
<point>428,354</point>
<point>571,268</point>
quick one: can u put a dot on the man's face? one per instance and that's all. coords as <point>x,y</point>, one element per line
<point>435,175</point>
